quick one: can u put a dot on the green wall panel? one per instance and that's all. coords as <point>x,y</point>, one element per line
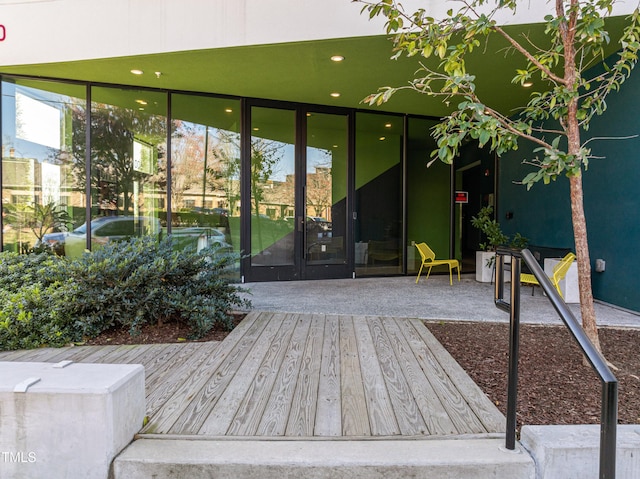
<point>428,195</point>
<point>612,204</point>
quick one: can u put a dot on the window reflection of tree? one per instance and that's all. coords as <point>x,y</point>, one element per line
<point>319,185</point>
<point>187,161</point>
<point>223,166</point>
<point>266,158</point>
<point>113,130</point>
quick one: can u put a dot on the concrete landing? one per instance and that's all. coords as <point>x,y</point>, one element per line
<point>474,458</point>
<point>573,452</point>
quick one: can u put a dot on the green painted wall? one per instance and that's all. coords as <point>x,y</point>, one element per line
<point>428,194</point>
<point>612,203</point>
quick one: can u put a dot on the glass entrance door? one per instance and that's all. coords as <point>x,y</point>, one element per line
<point>297,195</point>
<point>325,196</point>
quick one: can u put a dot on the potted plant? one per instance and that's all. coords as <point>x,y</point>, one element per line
<point>485,258</point>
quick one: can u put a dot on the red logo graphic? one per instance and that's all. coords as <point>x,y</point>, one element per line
<point>3,33</point>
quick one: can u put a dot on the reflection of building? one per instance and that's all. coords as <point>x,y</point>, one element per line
<point>200,122</point>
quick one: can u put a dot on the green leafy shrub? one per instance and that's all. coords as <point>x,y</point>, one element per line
<point>49,300</point>
<point>493,233</point>
<point>20,270</point>
<point>29,318</point>
<point>142,281</point>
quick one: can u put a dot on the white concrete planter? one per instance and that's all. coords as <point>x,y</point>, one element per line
<point>485,267</point>
<point>569,285</point>
<point>484,273</point>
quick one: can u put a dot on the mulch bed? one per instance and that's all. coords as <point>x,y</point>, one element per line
<point>554,385</point>
<point>170,332</point>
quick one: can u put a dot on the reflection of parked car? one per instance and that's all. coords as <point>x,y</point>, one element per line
<point>104,230</point>
<point>319,226</point>
<point>200,237</point>
<point>55,241</point>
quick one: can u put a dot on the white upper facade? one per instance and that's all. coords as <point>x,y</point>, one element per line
<point>42,31</point>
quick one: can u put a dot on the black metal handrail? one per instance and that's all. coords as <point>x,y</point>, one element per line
<point>609,406</point>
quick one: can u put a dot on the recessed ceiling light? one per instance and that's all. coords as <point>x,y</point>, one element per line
<point>137,72</point>
<point>256,129</point>
<point>228,110</point>
<point>335,94</point>
<point>335,146</point>
<point>527,84</point>
<point>141,102</point>
<point>308,114</point>
<point>382,138</point>
<point>158,74</point>
<point>387,125</point>
<point>337,58</point>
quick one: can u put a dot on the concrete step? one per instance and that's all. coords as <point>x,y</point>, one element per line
<point>471,458</point>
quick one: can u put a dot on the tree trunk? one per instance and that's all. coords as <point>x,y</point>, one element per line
<point>572,127</point>
<point>584,262</point>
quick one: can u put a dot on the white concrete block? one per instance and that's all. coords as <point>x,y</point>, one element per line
<point>568,285</point>
<point>573,452</point>
<point>67,420</point>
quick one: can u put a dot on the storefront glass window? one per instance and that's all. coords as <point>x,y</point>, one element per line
<point>43,164</point>
<point>128,167</point>
<point>205,172</point>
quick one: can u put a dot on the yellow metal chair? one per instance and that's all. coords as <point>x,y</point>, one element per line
<point>429,260</point>
<point>559,272</point>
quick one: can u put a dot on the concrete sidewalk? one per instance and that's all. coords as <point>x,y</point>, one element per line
<point>432,299</point>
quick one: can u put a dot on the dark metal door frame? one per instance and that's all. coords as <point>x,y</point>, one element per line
<point>300,269</point>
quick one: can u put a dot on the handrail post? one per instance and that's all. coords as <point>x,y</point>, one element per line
<point>514,350</point>
<point>609,406</point>
<point>608,433</point>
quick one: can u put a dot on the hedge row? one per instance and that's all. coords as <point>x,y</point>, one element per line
<point>47,300</point>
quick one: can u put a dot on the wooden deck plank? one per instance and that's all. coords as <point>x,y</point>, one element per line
<point>249,414</point>
<point>78,353</point>
<point>119,354</point>
<point>60,354</point>
<point>328,420</point>
<point>225,409</point>
<point>455,404</point>
<point>72,353</point>
<point>39,355</point>
<point>98,352</point>
<point>190,388</point>
<point>303,406</point>
<point>379,406</point>
<point>11,355</point>
<point>302,375</point>
<point>406,410</point>
<point>162,387</point>
<point>435,416</point>
<point>276,413</point>
<point>15,355</point>
<point>355,419</point>
<point>480,404</point>
<point>95,353</point>
<point>156,358</point>
<point>184,355</point>
<point>144,355</point>
<point>196,411</point>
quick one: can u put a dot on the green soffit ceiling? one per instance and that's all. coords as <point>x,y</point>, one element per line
<point>303,72</point>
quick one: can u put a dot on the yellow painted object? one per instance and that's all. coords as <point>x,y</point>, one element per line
<point>429,260</point>
<point>559,272</point>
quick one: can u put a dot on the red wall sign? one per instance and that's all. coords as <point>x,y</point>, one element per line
<point>3,33</point>
<point>462,197</point>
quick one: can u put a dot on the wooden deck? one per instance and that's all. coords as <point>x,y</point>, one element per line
<point>304,376</point>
